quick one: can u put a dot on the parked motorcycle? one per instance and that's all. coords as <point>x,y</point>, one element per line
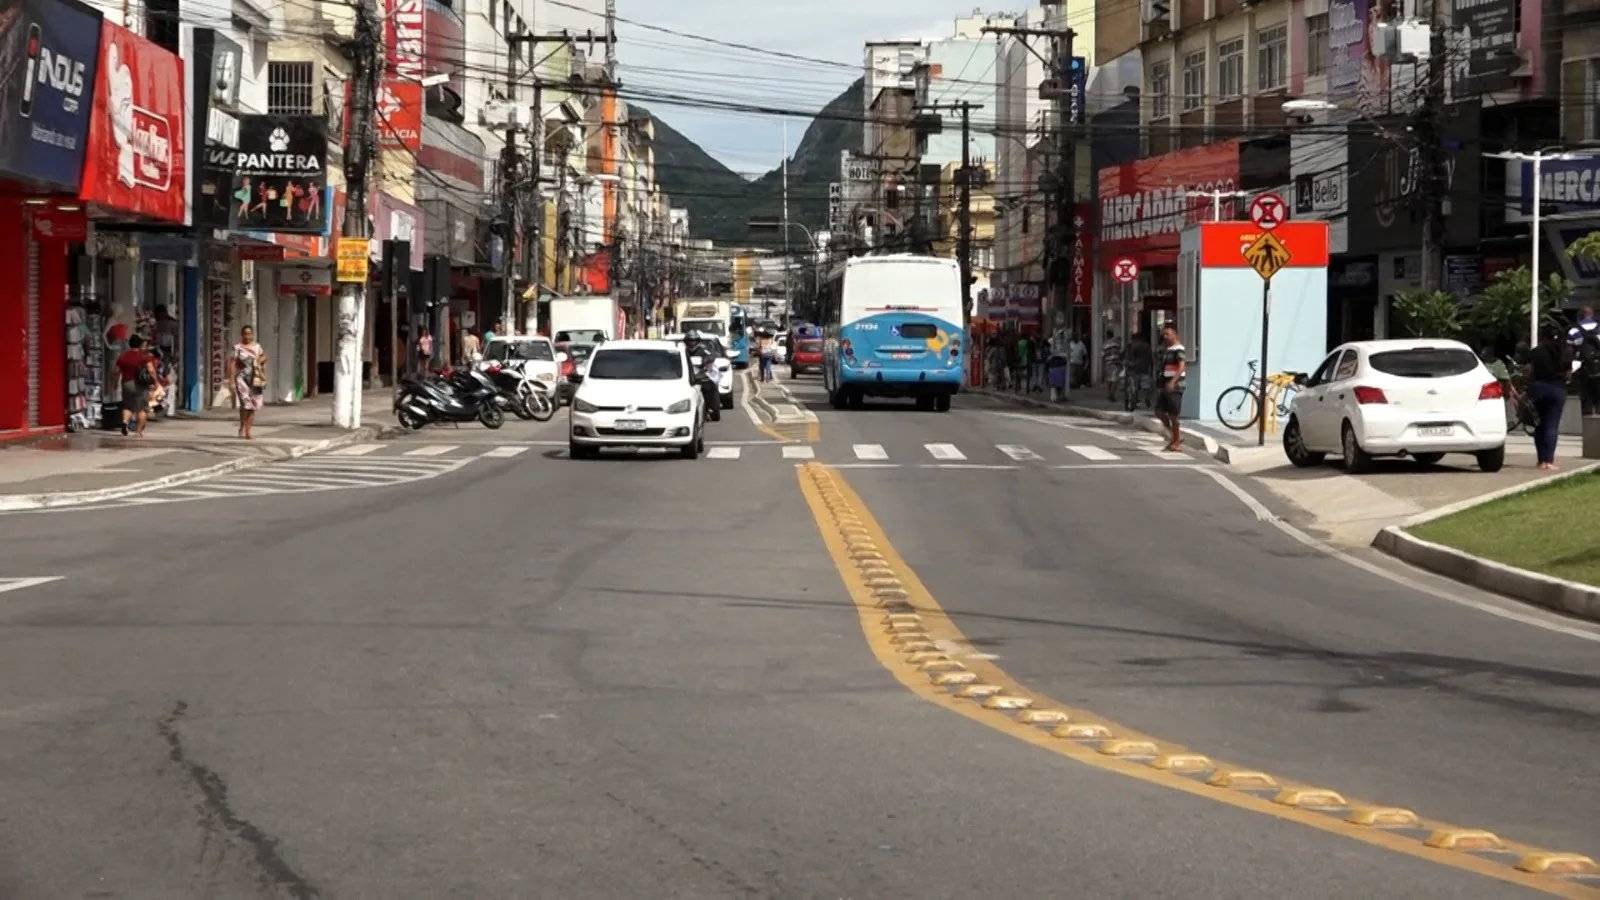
<point>455,397</point>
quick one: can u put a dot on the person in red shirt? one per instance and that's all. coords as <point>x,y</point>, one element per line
<point>137,368</point>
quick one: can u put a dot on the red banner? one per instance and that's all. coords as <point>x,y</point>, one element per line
<point>1082,271</point>
<point>1145,205</point>
<point>400,115</point>
<point>134,158</point>
<point>403,39</point>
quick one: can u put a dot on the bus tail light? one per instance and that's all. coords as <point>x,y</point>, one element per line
<point>844,345</point>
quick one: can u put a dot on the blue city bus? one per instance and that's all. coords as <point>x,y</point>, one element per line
<point>739,336</point>
<point>894,326</point>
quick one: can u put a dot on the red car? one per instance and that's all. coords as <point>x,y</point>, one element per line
<point>805,355</point>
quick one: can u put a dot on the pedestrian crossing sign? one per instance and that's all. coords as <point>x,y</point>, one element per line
<point>1266,255</point>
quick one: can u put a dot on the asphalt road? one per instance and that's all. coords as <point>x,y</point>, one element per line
<point>537,677</point>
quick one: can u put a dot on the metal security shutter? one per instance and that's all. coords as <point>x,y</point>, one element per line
<point>33,332</point>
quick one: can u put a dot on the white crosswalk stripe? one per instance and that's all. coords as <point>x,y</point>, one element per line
<point>1091,452</point>
<point>504,452</point>
<point>1162,451</point>
<point>799,451</point>
<point>356,450</point>
<point>944,452</point>
<point>432,450</point>
<point>722,452</point>
<point>1018,452</point>
<point>870,451</point>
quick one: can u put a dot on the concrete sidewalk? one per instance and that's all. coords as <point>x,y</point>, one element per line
<point>91,467</point>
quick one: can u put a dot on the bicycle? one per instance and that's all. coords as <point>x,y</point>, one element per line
<point>1520,414</point>
<point>1280,393</point>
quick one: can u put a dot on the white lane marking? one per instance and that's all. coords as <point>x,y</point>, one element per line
<point>1090,452</point>
<point>504,452</point>
<point>1129,465</point>
<point>431,450</point>
<point>722,452</point>
<point>944,451</point>
<point>859,465</point>
<point>870,451</point>
<point>744,401</point>
<point>1018,452</point>
<point>179,494</point>
<point>973,466</point>
<point>1266,515</point>
<point>17,584</point>
<point>357,450</point>
<point>798,451</point>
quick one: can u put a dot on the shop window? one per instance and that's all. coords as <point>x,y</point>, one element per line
<point>1230,69</point>
<point>1272,58</point>
<point>1194,81</point>
<point>1160,90</point>
<point>1317,44</point>
<point>291,88</point>
<point>1580,97</point>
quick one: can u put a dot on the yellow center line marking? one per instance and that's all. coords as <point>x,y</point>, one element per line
<point>902,623</point>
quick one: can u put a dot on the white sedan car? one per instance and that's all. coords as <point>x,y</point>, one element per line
<point>637,394</point>
<point>1416,398</point>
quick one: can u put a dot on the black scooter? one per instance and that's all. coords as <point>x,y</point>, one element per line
<point>464,396</point>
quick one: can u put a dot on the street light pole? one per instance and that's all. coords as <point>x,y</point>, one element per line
<point>1537,159</point>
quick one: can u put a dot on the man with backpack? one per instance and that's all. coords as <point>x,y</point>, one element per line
<point>138,371</point>
<point>1584,338</point>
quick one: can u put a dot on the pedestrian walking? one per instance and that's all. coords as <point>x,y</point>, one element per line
<point>471,347</point>
<point>1549,370</point>
<point>1584,339</point>
<point>764,347</point>
<point>425,351</point>
<point>137,369</point>
<point>1174,373</point>
<point>1111,353</point>
<point>1140,363</point>
<point>1020,362</point>
<point>1078,361</point>
<point>249,366</point>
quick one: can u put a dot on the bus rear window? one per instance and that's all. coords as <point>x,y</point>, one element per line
<point>918,330</point>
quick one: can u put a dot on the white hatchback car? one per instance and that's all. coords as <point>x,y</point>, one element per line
<point>1416,398</point>
<point>637,393</point>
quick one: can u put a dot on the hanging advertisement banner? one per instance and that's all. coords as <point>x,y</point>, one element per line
<point>135,159</point>
<point>1347,47</point>
<point>400,106</point>
<point>281,175</point>
<point>52,47</point>
<point>1145,205</point>
<point>1489,30</point>
<point>403,39</point>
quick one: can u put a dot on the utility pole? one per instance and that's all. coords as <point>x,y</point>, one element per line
<point>788,285</point>
<point>964,210</point>
<point>359,147</point>
<point>1059,250</point>
<point>508,188</point>
<point>1067,207</point>
<point>964,217</point>
<point>1436,180</point>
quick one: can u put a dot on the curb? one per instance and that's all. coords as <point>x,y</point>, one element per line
<point>58,499</point>
<point>1557,594</point>
<point>1214,449</point>
<point>766,405</point>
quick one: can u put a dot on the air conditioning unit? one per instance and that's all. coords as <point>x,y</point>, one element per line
<point>1155,17</point>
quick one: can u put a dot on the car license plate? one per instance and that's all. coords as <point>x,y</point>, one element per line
<point>1436,430</point>
<point>902,356</point>
<point>630,424</point>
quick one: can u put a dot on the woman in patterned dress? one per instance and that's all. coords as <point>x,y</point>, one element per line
<point>249,379</point>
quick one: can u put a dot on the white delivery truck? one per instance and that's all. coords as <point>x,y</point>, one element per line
<point>709,315</point>
<point>585,320</point>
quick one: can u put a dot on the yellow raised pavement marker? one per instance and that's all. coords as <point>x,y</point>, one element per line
<point>907,645</point>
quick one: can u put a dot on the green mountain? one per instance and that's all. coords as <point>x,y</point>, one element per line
<point>721,203</point>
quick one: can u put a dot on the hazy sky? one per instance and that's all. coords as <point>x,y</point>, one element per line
<point>833,30</point>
